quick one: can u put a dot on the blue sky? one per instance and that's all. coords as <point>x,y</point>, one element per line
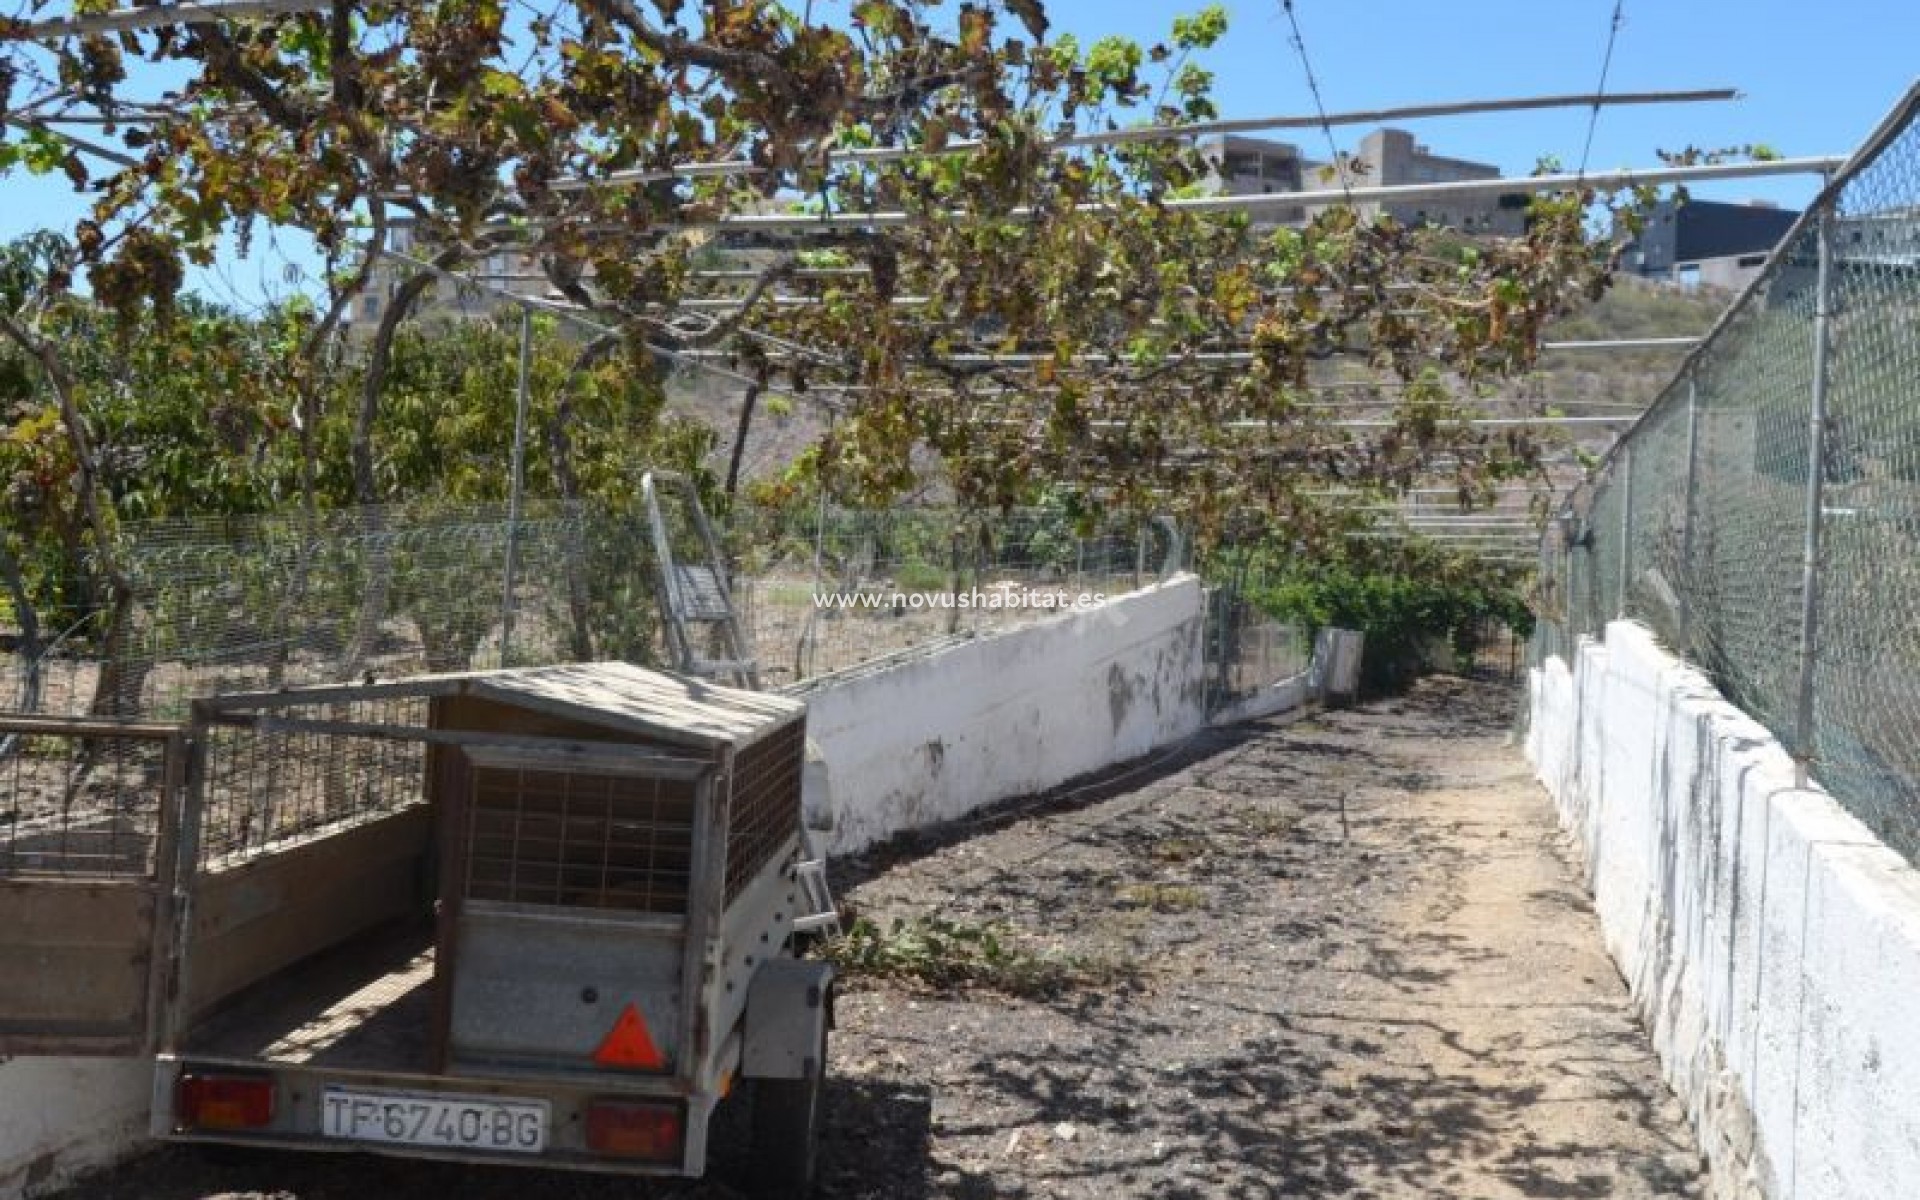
<point>1817,79</point>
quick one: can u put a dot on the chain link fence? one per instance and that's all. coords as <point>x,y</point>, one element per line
<point>1764,516</point>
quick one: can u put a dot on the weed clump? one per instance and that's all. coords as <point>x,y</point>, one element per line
<point>1162,897</point>
<point>944,955</point>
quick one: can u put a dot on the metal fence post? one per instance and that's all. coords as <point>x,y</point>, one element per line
<point>516,485</point>
<point>1626,530</point>
<point>1803,750</point>
<point>1684,585</point>
<point>1567,635</point>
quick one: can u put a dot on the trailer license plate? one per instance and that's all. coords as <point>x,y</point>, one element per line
<point>415,1119</point>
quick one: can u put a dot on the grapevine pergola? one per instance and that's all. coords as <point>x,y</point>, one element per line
<point>991,253</point>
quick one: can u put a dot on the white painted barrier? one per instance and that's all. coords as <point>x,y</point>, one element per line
<point>934,738</point>
<point>61,1116</point>
<point>1771,942</point>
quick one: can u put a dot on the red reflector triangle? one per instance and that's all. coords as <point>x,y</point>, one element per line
<point>629,1044</point>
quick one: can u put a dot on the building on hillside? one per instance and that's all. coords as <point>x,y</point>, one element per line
<point>503,270</point>
<point>1244,166</point>
<point>1888,238</point>
<point>1390,156</point>
<point>1707,243</point>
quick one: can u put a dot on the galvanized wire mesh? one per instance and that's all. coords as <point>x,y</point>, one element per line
<point>1552,637</point>
<point>1866,681</point>
<point>1753,388</point>
<point>266,787</point>
<point>1705,520</point>
<point>263,602</point>
<point>1247,648</point>
<point>1653,533</point>
<point>827,590</point>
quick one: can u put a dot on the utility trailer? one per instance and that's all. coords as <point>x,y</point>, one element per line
<point>540,916</point>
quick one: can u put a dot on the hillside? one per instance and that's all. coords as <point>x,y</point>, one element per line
<point>1631,310</point>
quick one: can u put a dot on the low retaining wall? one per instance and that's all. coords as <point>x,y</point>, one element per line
<point>59,1116</point>
<point>931,739</point>
<point>1771,942</point>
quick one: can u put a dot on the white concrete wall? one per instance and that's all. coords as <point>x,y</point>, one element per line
<point>60,1116</point>
<point>935,738</point>
<point>1771,942</point>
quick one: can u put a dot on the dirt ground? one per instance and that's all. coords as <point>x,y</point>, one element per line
<point>1366,969</point>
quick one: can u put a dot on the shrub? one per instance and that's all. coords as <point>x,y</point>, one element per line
<point>946,955</point>
<point>1406,608</point>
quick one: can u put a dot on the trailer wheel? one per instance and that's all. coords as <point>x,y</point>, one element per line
<point>786,1129</point>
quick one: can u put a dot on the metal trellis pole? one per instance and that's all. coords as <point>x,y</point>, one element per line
<point>517,486</point>
<point>1803,750</point>
<point>1626,530</point>
<point>1683,584</point>
<point>1566,591</point>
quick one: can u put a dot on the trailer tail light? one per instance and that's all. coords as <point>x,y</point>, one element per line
<point>634,1129</point>
<point>225,1101</point>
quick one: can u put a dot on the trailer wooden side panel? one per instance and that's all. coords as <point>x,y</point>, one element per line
<point>78,954</point>
<point>263,915</point>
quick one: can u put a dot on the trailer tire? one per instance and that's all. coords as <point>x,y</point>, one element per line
<point>786,1129</point>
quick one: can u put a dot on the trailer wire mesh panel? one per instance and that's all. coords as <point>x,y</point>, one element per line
<point>580,839</point>
<point>81,799</point>
<point>764,803</point>
<point>265,786</point>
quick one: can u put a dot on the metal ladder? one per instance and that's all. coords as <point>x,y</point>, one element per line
<point>694,596</point>
<point>822,914</point>
<point>695,599</point>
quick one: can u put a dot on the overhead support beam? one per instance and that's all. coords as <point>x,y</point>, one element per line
<point>1655,343</point>
<point>1505,489</point>
<point>1229,358</point>
<point>1475,422</point>
<point>748,275</point>
<point>1467,189</point>
<point>1477,539</point>
<point>155,16</point>
<point>576,314</point>
<point>83,145</point>
<point>1178,132</point>
<point>784,300</point>
<point>1312,387</point>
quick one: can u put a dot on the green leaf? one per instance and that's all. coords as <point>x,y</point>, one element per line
<point>1201,30</point>
<point>501,85</point>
